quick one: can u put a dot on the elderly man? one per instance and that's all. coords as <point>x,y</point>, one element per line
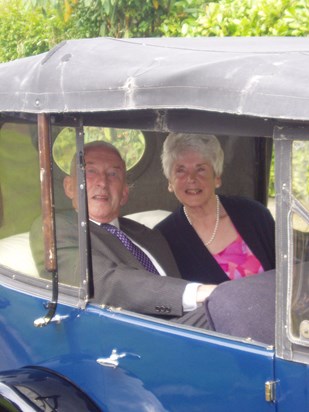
<point>133,267</point>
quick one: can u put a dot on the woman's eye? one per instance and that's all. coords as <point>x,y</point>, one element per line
<point>179,171</point>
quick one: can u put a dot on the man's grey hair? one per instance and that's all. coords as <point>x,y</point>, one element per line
<point>94,144</point>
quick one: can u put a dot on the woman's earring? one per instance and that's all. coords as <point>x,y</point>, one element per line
<point>170,187</point>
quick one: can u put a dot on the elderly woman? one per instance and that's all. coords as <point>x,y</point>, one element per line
<point>213,238</point>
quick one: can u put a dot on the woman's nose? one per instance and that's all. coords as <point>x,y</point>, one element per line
<point>191,176</point>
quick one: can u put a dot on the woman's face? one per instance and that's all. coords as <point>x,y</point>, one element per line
<point>193,179</point>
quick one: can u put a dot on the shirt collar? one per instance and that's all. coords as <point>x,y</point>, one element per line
<point>114,222</point>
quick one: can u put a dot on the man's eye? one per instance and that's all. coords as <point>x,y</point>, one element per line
<point>90,171</point>
<point>112,173</point>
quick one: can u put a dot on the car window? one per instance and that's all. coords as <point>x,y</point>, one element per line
<point>130,143</point>
<point>20,195</point>
<point>300,224</point>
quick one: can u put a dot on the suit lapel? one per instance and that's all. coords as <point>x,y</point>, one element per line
<point>153,242</point>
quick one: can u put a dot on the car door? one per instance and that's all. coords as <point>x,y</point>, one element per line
<point>128,362</point>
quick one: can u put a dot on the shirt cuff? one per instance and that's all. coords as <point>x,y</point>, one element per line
<point>189,297</point>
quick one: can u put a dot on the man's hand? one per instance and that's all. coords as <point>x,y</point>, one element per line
<point>203,292</point>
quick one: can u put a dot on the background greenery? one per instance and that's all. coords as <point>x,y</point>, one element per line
<point>130,144</point>
<point>30,27</point>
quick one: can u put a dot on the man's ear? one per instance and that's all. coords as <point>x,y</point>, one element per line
<point>125,195</point>
<point>68,186</point>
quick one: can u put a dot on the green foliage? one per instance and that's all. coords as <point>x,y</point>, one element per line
<point>245,18</point>
<point>182,18</point>
<point>122,18</point>
<point>300,166</point>
<point>30,27</point>
<point>41,24</point>
<point>130,143</point>
<point>26,31</point>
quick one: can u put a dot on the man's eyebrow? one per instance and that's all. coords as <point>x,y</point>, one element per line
<point>89,162</point>
<point>116,167</point>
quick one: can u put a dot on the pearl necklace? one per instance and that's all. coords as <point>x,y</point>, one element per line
<point>214,233</point>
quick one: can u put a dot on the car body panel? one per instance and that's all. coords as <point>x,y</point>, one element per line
<point>170,368</point>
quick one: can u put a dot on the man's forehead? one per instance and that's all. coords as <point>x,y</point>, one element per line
<point>101,155</point>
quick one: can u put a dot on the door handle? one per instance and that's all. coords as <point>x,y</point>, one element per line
<point>113,360</point>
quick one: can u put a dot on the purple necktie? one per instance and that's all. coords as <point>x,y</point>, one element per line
<point>135,250</point>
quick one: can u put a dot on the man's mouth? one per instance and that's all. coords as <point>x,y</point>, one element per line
<point>100,197</point>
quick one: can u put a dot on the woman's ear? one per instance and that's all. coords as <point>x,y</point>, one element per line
<point>218,182</point>
<point>170,187</point>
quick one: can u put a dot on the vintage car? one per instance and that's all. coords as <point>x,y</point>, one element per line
<point>61,352</point>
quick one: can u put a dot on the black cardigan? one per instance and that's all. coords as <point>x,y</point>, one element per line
<point>251,219</point>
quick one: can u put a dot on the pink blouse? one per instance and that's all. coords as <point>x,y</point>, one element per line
<point>238,261</point>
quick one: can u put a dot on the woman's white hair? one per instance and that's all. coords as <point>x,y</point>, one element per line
<point>205,144</point>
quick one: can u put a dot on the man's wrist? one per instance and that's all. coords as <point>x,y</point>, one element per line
<point>203,291</point>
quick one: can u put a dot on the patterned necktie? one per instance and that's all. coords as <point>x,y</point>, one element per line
<point>135,250</point>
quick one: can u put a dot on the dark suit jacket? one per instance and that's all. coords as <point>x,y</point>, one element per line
<point>251,219</point>
<point>119,279</point>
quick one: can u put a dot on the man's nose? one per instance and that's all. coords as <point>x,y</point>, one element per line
<point>101,179</point>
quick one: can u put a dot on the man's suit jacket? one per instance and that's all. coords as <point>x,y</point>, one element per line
<point>119,279</point>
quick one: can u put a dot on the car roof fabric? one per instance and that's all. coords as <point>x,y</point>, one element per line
<point>258,76</point>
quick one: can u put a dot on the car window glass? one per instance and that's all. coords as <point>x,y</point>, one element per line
<point>130,143</point>
<point>300,241</point>
<point>20,195</point>
<point>300,170</point>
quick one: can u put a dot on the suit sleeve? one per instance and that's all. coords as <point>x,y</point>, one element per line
<point>118,278</point>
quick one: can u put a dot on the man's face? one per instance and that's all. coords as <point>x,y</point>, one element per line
<point>107,189</point>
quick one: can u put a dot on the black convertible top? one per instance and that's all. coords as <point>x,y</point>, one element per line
<point>260,77</point>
